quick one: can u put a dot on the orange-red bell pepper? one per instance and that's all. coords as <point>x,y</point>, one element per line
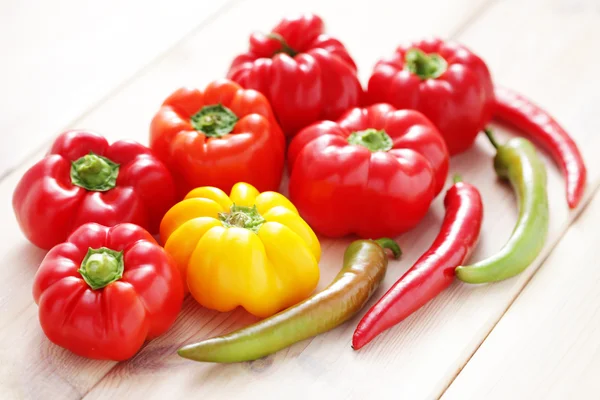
<point>219,136</point>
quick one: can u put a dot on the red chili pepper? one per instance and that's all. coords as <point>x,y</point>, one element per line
<point>516,110</point>
<point>306,74</point>
<point>434,271</point>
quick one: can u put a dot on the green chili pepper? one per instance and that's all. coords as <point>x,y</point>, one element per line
<point>518,162</point>
<point>365,263</point>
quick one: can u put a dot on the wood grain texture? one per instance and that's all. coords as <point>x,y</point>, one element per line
<point>419,358</point>
<point>547,344</point>
<point>60,57</point>
<point>32,366</point>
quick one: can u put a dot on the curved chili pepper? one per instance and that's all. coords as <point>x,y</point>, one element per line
<point>516,110</point>
<point>364,267</point>
<point>434,270</point>
<point>518,162</point>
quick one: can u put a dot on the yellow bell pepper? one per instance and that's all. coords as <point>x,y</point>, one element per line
<point>247,249</point>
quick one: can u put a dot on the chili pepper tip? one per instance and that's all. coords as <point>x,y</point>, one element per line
<point>185,352</point>
<point>390,244</point>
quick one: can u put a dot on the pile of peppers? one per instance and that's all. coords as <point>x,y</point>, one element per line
<point>131,230</point>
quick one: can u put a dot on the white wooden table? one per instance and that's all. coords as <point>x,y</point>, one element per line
<point>108,65</point>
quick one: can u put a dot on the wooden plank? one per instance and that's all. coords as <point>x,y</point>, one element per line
<point>419,358</point>
<point>425,351</point>
<point>31,365</point>
<point>534,352</point>
<point>62,57</point>
<point>546,346</point>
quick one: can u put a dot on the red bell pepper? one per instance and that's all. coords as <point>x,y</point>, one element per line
<point>218,137</point>
<point>84,179</point>
<point>445,81</point>
<point>374,172</point>
<point>306,74</point>
<point>104,291</point>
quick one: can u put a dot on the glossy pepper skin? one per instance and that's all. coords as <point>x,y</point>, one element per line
<point>374,172</point>
<point>84,179</point>
<point>219,136</point>
<point>306,74</point>
<point>365,263</point>
<point>434,270</point>
<point>445,81</point>
<point>104,291</point>
<point>518,162</point>
<point>247,249</point>
<point>516,110</point>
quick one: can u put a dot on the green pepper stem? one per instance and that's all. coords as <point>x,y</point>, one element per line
<point>372,139</point>
<point>242,217</point>
<point>214,121</point>
<point>390,244</point>
<point>490,136</point>
<point>285,47</point>
<point>457,178</point>
<point>425,66</point>
<point>101,267</point>
<point>94,172</point>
